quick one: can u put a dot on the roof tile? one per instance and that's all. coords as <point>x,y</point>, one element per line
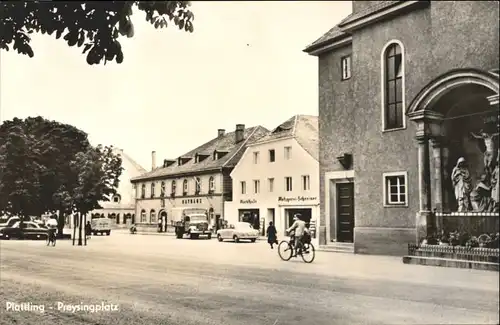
<point>223,143</point>
<point>304,128</point>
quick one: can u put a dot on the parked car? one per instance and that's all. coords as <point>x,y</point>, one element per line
<point>30,230</point>
<point>237,232</point>
<point>8,221</point>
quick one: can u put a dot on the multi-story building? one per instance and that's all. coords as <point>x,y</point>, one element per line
<point>120,207</point>
<point>200,178</point>
<point>278,177</point>
<point>405,90</point>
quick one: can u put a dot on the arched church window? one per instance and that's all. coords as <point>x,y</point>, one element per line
<point>393,86</point>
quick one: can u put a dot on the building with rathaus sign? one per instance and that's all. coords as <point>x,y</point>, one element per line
<point>278,177</point>
<point>199,179</point>
<point>407,89</point>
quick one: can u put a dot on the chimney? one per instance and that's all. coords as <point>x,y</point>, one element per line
<point>239,133</point>
<point>153,160</point>
<point>221,132</point>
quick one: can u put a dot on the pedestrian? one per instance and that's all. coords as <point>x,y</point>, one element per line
<point>88,229</point>
<point>271,235</point>
<point>159,225</point>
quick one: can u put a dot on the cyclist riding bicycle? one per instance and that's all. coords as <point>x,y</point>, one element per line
<point>299,228</point>
<point>52,227</point>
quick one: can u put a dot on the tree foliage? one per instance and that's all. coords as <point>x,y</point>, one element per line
<point>94,26</point>
<point>47,166</point>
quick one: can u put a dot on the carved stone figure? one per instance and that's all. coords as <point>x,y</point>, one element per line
<point>462,183</point>
<point>481,196</point>
<point>489,144</point>
<point>495,182</point>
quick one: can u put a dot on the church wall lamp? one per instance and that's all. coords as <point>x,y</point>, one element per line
<point>345,160</point>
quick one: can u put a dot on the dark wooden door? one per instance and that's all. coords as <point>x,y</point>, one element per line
<point>345,212</point>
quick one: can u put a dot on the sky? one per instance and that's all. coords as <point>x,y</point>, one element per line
<point>243,64</point>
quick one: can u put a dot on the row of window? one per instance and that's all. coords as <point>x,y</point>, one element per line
<point>287,155</point>
<point>288,184</point>
<point>173,187</point>
<point>392,84</point>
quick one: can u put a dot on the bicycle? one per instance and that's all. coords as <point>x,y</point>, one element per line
<point>307,250</point>
<point>51,238</point>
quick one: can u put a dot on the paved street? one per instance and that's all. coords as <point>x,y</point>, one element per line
<point>162,280</point>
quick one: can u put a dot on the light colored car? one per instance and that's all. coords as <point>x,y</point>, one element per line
<point>238,231</point>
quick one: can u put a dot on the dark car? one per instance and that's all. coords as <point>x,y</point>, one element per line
<point>8,221</point>
<point>30,230</point>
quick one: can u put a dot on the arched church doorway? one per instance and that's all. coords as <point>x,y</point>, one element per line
<point>457,133</point>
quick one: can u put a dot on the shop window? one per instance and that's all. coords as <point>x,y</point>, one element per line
<point>395,189</point>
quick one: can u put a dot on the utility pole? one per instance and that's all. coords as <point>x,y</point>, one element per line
<point>80,217</point>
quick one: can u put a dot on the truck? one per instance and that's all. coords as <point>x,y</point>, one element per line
<point>192,222</point>
<point>101,226</point>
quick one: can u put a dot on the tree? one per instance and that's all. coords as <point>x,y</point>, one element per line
<point>98,171</point>
<point>20,189</point>
<point>38,151</point>
<point>94,26</point>
<point>47,166</point>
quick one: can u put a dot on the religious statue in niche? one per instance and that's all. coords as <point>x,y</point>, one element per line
<point>480,196</point>
<point>483,197</point>
<point>495,182</point>
<point>462,184</point>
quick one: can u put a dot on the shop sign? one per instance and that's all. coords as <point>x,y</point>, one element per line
<point>298,198</point>
<point>249,201</point>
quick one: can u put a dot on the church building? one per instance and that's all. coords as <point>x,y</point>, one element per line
<point>408,121</point>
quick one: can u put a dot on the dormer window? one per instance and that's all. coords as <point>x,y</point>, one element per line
<point>168,163</point>
<point>183,160</point>
<point>219,154</point>
<point>200,157</point>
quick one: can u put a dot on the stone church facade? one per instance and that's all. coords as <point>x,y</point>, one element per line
<point>406,89</point>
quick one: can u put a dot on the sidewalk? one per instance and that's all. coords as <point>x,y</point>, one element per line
<point>214,236</point>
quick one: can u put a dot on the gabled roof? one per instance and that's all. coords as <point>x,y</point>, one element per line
<point>336,33</point>
<point>225,143</point>
<point>304,128</point>
<point>125,156</point>
<point>332,35</point>
<point>377,6</point>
